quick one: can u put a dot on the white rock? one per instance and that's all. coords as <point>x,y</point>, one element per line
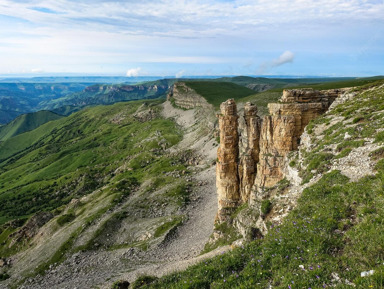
<point>367,273</point>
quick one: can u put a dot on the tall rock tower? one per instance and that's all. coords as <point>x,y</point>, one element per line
<point>227,180</point>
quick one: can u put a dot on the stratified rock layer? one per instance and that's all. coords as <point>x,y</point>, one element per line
<point>227,180</point>
<point>258,161</point>
<point>250,154</point>
<point>186,97</point>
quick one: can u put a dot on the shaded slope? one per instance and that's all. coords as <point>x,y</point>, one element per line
<point>26,122</point>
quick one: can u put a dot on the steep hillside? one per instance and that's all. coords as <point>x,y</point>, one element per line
<point>20,98</point>
<point>118,186</point>
<point>107,94</point>
<point>26,122</point>
<point>333,193</point>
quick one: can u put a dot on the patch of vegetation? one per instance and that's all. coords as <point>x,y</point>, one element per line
<point>120,284</point>
<point>161,230</point>
<point>143,280</point>
<point>345,152</point>
<point>4,276</point>
<point>216,92</point>
<point>266,207</point>
<point>379,137</point>
<point>377,154</point>
<point>228,235</point>
<point>350,144</point>
<point>66,218</point>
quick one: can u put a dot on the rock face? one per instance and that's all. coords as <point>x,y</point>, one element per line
<point>227,179</point>
<point>31,228</point>
<point>186,97</point>
<point>250,150</point>
<point>256,160</point>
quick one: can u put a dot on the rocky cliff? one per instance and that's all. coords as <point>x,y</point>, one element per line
<point>252,156</point>
<point>185,97</point>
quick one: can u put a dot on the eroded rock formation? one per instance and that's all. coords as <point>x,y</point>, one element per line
<point>264,145</point>
<point>185,97</point>
<point>227,179</point>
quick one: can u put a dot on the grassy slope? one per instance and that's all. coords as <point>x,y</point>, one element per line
<point>107,94</point>
<point>73,156</point>
<point>26,122</point>
<point>336,227</point>
<point>216,92</point>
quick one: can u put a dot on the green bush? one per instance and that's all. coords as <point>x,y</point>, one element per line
<point>4,276</point>
<point>66,218</point>
<point>266,207</point>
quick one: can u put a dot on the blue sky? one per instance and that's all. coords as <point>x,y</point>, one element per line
<point>180,37</point>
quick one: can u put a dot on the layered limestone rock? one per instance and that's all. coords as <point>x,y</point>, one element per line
<point>250,150</point>
<point>185,97</point>
<point>227,180</point>
<point>261,153</point>
<point>276,141</point>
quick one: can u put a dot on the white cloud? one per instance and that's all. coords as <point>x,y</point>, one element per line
<point>286,57</point>
<point>180,74</point>
<point>133,72</point>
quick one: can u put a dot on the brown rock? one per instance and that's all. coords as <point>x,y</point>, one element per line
<point>250,157</point>
<point>186,97</point>
<point>227,181</point>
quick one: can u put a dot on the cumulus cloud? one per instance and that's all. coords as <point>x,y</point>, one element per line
<point>180,74</point>
<point>286,57</point>
<point>133,72</point>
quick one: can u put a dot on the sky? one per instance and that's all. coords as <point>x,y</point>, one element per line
<point>183,38</point>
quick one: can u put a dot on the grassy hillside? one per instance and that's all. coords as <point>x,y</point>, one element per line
<point>71,157</point>
<point>18,98</point>
<point>26,122</point>
<point>217,92</point>
<point>335,232</point>
<point>107,94</point>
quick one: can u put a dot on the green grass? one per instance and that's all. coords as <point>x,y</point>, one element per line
<point>216,92</point>
<point>26,122</point>
<point>71,157</point>
<point>164,228</point>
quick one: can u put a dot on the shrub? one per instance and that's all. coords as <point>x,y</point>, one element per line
<point>121,284</point>
<point>266,207</point>
<point>66,218</point>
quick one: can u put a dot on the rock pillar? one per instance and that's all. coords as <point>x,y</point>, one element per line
<point>250,157</point>
<point>227,181</point>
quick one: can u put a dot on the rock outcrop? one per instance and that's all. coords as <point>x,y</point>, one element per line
<point>185,97</point>
<point>250,150</point>
<point>31,228</point>
<point>256,160</point>
<point>227,179</point>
